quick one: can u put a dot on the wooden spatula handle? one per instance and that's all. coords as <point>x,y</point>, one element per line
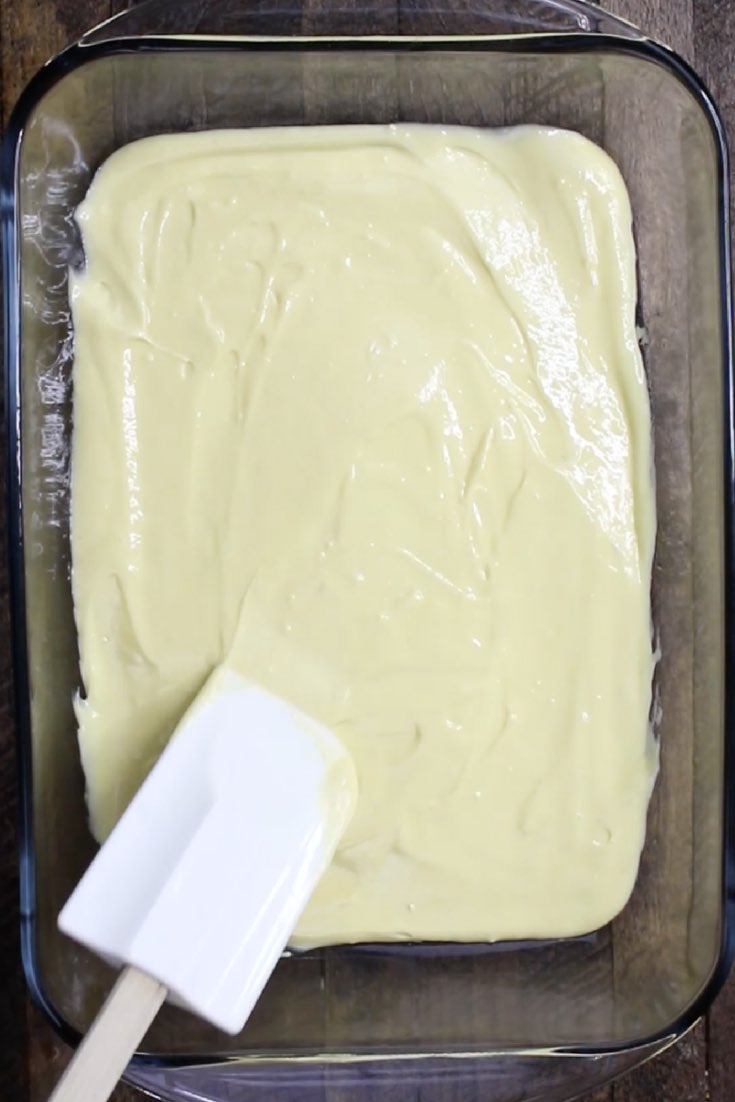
<point>112,1039</point>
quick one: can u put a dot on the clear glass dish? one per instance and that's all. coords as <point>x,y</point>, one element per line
<point>518,1019</point>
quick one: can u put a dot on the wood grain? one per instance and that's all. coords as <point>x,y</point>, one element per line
<point>677,1075</point>
<point>30,34</point>
<point>701,1067</point>
<point>713,36</point>
<point>670,22</point>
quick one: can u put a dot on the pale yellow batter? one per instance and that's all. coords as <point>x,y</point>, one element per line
<point>362,411</point>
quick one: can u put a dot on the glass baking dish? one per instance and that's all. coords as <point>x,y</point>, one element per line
<point>517,1017</point>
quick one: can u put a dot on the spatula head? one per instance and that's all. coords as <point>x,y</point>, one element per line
<point>204,878</point>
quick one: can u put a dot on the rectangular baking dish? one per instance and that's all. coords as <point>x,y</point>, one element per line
<point>648,975</point>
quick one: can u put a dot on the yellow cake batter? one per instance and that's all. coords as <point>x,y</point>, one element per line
<point>361,411</point>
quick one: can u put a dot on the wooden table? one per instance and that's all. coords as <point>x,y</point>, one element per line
<point>701,1068</point>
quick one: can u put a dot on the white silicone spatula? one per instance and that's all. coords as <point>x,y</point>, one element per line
<point>198,888</point>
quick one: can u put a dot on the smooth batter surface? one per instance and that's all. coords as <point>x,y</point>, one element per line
<point>362,411</point>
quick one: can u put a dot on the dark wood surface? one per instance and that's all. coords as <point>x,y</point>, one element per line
<point>701,1067</point>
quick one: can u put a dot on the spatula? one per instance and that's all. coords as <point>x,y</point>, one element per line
<point>198,888</point>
